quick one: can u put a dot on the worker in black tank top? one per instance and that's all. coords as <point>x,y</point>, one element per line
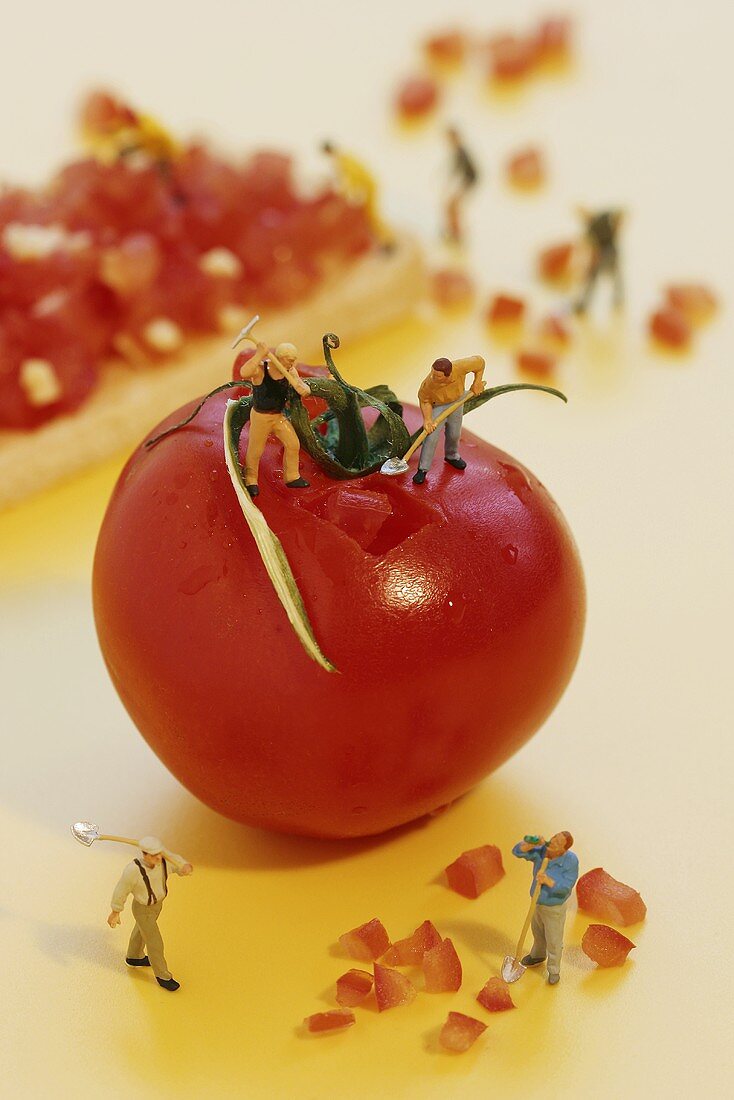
<point>272,393</point>
<point>271,374</point>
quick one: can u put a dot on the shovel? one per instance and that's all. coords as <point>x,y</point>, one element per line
<point>86,833</point>
<point>512,968</point>
<point>394,466</point>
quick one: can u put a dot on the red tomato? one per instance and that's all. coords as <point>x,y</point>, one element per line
<point>454,631</point>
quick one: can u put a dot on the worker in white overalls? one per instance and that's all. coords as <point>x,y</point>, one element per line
<point>146,879</point>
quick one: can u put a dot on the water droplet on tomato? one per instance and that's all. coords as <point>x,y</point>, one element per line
<point>516,481</point>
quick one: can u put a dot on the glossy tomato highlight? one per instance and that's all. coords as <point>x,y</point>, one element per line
<point>453,612</point>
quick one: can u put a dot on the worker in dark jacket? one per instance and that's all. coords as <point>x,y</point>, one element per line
<point>464,176</point>
<point>601,231</point>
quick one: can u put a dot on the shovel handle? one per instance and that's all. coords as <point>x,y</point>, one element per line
<point>439,420</point>
<point>136,843</point>
<point>531,910</point>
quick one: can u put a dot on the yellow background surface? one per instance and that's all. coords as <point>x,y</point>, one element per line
<point>636,760</point>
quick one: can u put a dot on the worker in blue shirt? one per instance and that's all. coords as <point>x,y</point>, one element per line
<point>557,882</point>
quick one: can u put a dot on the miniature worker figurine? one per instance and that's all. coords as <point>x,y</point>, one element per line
<point>463,177</point>
<point>601,231</point>
<point>147,880</point>
<point>557,883</point>
<point>112,129</point>
<point>358,186</point>
<point>442,388</point>
<point>271,375</point>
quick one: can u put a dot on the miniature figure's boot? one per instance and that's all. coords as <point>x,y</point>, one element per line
<point>458,462</point>
<point>530,960</point>
<point>147,932</point>
<point>169,983</point>
<point>145,961</point>
<point>419,477</point>
<point>298,483</point>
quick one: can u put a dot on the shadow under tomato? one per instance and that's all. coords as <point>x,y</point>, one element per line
<point>486,814</point>
<point>215,841</point>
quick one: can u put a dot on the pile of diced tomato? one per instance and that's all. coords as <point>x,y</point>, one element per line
<point>434,961</point>
<point>128,259</point>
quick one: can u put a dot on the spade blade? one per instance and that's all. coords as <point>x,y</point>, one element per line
<point>512,969</point>
<point>394,466</point>
<point>85,832</point>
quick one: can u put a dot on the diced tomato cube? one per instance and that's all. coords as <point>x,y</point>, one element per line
<point>605,946</point>
<point>392,989</point>
<point>539,363</point>
<point>368,942</point>
<point>442,968</point>
<point>452,287</point>
<point>335,1020</point>
<point>552,39</point>
<point>447,48</point>
<point>475,871</point>
<point>555,263</point>
<point>511,57</point>
<point>554,330</point>
<point>353,987</point>
<point>504,309</point>
<point>359,513</point>
<point>460,1032</point>
<point>410,951</point>
<point>526,169</point>
<point>416,97</point>
<point>670,327</point>
<point>696,302</point>
<point>495,996</point>
<point>604,897</point>
<point>133,265</point>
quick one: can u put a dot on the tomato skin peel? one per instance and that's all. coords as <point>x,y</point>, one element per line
<point>455,632</point>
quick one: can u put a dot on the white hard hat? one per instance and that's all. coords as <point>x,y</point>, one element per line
<point>151,845</point>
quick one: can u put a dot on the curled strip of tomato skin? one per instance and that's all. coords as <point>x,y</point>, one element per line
<point>268,544</point>
<point>182,423</point>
